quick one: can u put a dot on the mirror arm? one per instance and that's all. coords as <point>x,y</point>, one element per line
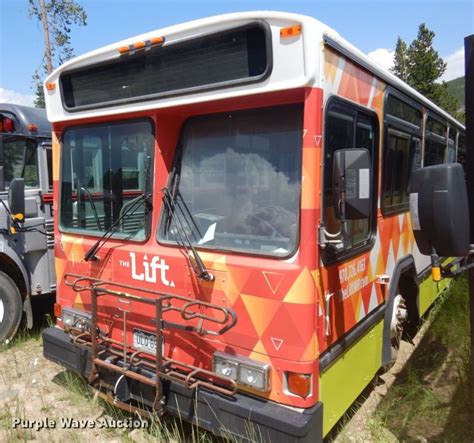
<point>463,264</point>
<point>339,238</point>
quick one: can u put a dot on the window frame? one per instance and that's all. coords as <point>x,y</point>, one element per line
<point>179,92</point>
<point>347,107</point>
<point>149,181</point>
<point>395,124</point>
<point>26,139</point>
<point>177,157</point>
<point>429,135</point>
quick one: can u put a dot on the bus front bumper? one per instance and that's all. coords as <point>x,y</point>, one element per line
<point>243,417</point>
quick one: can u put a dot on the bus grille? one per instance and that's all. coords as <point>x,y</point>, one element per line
<point>49,228</point>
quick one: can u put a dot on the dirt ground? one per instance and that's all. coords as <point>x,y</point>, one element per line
<point>41,402</point>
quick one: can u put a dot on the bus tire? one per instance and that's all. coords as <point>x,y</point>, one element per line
<point>10,308</point>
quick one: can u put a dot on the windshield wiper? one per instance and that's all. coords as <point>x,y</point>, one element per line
<point>90,254</point>
<point>178,210</point>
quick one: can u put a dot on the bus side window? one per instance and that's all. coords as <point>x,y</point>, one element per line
<point>435,142</point>
<point>400,156</point>
<point>461,151</point>
<point>451,151</point>
<point>346,128</point>
<point>402,151</point>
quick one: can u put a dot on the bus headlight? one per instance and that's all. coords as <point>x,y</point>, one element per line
<point>75,318</point>
<point>243,370</point>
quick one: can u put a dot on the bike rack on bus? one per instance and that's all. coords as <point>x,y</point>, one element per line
<point>105,353</point>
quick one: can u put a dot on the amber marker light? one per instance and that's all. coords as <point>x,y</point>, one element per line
<point>57,310</point>
<point>138,46</point>
<point>32,127</point>
<point>50,86</point>
<point>436,273</point>
<point>157,41</point>
<point>291,31</point>
<point>299,384</point>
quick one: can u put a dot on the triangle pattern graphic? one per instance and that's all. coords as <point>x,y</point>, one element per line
<point>361,313</point>
<point>302,289</point>
<point>277,342</point>
<point>273,280</point>
<point>261,311</point>
<point>78,302</point>
<point>373,302</point>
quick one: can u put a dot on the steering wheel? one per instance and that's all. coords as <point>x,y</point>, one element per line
<point>275,231</point>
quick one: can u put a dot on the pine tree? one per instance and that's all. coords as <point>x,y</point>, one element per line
<point>443,98</point>
<point>421,66</point>
<point>56,18</point>
<point>400,68</point>
<point>425,66</point>
<point>39,99</point>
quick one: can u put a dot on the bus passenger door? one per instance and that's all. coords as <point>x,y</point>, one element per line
<point>345,251</point>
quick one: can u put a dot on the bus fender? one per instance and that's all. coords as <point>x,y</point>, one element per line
<point>405,265</point>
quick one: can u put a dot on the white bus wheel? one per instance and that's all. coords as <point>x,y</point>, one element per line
<point>399,318</point>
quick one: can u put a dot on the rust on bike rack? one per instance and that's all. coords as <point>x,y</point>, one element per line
<point>163,368</point>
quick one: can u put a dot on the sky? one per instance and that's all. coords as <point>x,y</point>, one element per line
<point>373,26</point>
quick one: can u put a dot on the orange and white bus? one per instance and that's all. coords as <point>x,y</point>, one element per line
<point>205,265</point>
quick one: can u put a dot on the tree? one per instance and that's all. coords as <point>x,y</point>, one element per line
<point>425,66</point>
<point>421,66</point>
<point>400,62</point>
<point>56,18</point>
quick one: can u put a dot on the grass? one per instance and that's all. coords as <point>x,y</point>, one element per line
<point>167,428</point>
<point>431,397</point>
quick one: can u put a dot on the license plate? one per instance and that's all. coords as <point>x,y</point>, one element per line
<point>144,341</point>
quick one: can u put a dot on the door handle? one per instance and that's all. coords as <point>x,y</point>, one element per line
<point>327,298</point>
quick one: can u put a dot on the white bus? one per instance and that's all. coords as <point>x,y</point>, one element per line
<point>206,266</point>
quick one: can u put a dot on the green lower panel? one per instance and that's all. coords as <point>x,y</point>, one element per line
<point>344,380</point>
<point>429,292</point>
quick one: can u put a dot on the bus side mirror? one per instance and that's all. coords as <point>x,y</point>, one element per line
<point>352,182</point>
<point>439,210</point>
<point>16,198</point>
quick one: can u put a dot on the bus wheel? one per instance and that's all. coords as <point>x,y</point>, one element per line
<point>399,318</point>
<point>10,308</point>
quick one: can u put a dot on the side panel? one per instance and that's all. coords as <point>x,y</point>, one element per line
<point>344,380</point>
<point>430,291</point>
<point>354,288</point>
<point>354,285</point>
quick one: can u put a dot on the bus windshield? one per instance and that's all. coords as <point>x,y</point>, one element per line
<point>20,160</point>
<point>239,175</point>
<point>105,169</point>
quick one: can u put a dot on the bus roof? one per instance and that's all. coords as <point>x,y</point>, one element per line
<point>314,32</point>
<point>25,116</point>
